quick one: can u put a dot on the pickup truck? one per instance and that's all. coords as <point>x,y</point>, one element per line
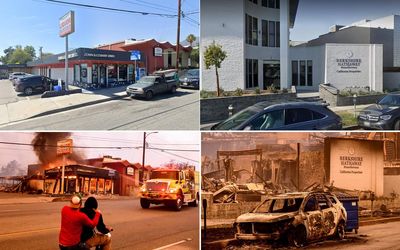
<point>148,86</point>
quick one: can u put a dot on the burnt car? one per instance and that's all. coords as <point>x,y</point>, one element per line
<point>299,217</point>
<point>191,79</point>
<point>284,116</point>
<point>384,115</point>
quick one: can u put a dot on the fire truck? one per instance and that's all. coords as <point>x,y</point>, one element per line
<point>171,187</point>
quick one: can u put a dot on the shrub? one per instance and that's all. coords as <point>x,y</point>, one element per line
<point>238,92</point>
<point>257,91</point>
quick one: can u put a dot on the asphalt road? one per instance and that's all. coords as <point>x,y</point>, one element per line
<point>179,111</point>
<point>36,226</point>
<point>372,237</point>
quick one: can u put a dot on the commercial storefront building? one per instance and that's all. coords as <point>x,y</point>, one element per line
<point>81,178</point>
<point>112,63</point>
<point>255,35</point>
<point>86,65</point>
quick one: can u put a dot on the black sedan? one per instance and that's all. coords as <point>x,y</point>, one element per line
<point>384,115</point>
<point>190,79</point>
<point>285,116</point>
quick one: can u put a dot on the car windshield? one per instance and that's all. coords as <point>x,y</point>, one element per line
<point>193,72</point>
<point>174,175</point>
<point>390,100</point>
<point>237,119</point>
<point>146,80</point>
<point>281,205</point>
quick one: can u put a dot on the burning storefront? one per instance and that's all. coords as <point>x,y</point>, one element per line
<point>80,178</point>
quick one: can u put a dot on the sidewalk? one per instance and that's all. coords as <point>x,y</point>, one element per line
<point>21,110</point>
<point>18,198</point>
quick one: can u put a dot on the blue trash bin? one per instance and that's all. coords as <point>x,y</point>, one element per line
<point>57,88</point>
<point>350,203</point>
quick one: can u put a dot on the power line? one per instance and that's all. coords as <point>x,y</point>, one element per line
<point>152,5</point>
<point>100,147</point>
<point>113,9</point>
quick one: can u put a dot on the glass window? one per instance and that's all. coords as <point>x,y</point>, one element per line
<point>295,73</point>
<point>317,116</point>
<point>130,72</point>
<point>302,73</point>
<point>264,3</point>
<point>269,120</point>
<point>254,1</point>
<point>271,3</point>
<point>237,119</point>
<point>277,4</point>
<point>278,34</point>
<point>251,30</point>
<point>271,38</point>
<point>309,73</point>
<point>112,73</point>
<point>95,78</point>
<point>264,34</point>
<point>77,72</point>
<point>298,115</point>
<point>251,73</point>
<point>123,73</point>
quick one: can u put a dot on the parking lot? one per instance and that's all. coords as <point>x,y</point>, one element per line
<point>8,94</point>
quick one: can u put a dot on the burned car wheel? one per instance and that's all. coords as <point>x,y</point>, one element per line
<point>298,236</point>
<point>340,231</point>
<point>144,203</point>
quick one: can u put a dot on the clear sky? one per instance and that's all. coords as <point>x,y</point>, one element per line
<point>35,22</point>
<point>314,17</point>
<point>187,140</point>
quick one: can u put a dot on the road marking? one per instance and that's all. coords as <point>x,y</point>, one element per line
<point>28,232</point>
<point>173,244</point>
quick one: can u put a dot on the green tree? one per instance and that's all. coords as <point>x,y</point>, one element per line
<point>18,55</point>
<point>214,56</point>
<point>194,56</point>
<point>190,39</point>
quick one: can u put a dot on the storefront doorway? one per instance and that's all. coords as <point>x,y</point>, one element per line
<point>271,73</point>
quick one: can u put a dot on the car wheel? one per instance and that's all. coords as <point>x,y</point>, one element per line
<point>298,236</point>
<point>144,203</point>
<point>340,231</point>
<point>173,89</point>
<point>178,203</point>
<point>193,203</point>
<point>397,125</point>
<point>149,95</point>
<point>28,91</point>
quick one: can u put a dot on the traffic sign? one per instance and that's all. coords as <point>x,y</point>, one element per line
<point>135,55</point>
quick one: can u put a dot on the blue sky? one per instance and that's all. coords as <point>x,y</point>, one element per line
<point>314,17</point>
<point>35,22</point>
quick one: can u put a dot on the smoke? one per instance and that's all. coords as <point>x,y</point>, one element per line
<point>13,168</point>
<point>44,145</point>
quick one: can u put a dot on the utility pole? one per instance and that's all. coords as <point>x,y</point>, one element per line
<point>178,35</point>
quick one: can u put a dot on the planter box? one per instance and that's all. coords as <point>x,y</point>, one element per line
<point>216,109</point>
<point>60,93</point>
<point>331,96</point>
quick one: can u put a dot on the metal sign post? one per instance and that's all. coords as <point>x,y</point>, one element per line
<point>67,26</point>
<point>135,56</point>
<point>64,147</point>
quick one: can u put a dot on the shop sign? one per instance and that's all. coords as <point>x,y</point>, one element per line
<point>348,64</point>
<point>135,55</point>
<point>72,55</point>
<point>111,172</point>
<point>158,51</point>
<point>67,24</point>
<point>64,147</point>
<point>86,54</point>
<point>129,171</point>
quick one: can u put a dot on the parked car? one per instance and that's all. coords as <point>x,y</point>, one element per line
<point>148,86</point>
<point>383,115</point>
<point>299,217</point>
<point>31,84</point>
<point>191,79</point>
<point>284,116</point>
<point>15,75</point>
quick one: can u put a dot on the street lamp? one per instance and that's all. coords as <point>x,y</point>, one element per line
<point>144,150</point>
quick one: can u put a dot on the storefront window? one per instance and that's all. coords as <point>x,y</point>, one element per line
<point>251,73</point>
<point>84,73</point>
<point>123,73</point>
<point>93,186</point>
<point>309,73</point>
<point>101,185</point>
<point>108,186</point>
<point>77,72</point>
<point>95,78</point>
<point>130,72</point>
<point>302,73</point>
<point>112,73</point>
<point>295,73</point>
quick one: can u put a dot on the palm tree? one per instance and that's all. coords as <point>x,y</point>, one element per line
<point>190,39</point>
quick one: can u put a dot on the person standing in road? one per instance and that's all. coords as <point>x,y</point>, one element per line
<point>102,238</point>
<point>72,221</point>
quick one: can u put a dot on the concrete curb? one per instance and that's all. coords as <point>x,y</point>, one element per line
<point>63,109</point>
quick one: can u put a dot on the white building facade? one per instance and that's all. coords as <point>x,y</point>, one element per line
<point>255,36</point>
